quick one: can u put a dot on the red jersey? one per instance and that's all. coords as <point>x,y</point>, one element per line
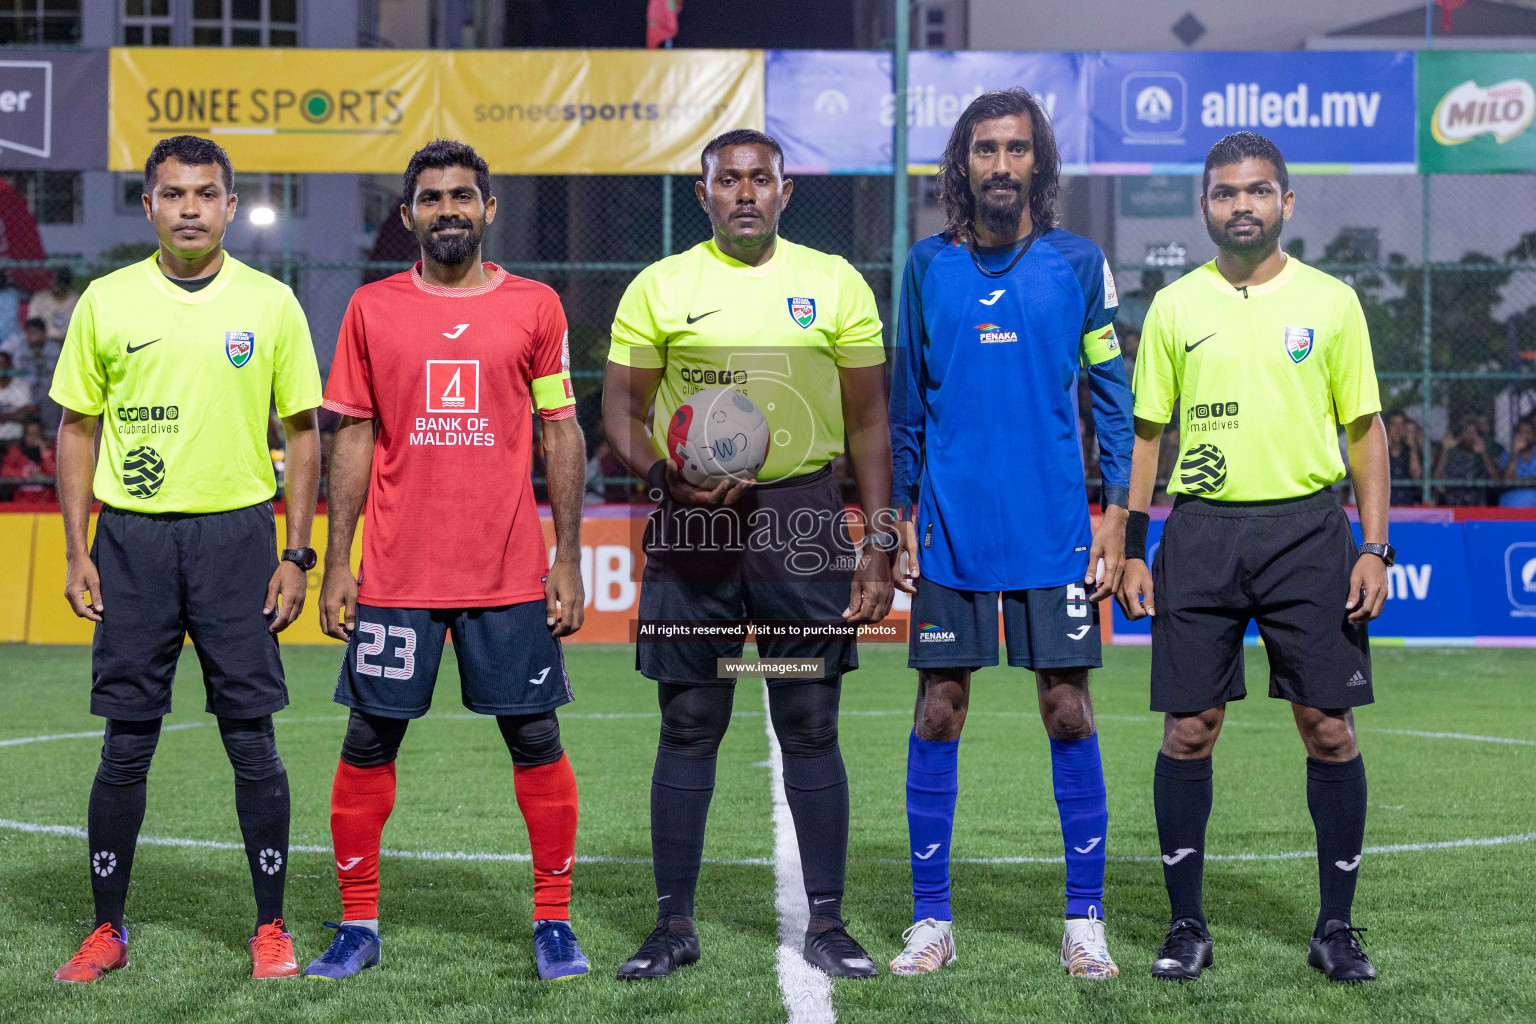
<point>450,377</point>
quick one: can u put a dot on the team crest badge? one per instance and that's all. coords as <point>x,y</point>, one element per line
<point>1298,343</point>
<point>239,345</point>
<point>803,311</point>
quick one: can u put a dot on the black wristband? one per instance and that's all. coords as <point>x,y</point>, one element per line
<point>656,480</point>
<point>1136,535</point>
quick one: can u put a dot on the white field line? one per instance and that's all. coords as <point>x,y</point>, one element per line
<point>1450,844</point>
<point>807,992</point>
<point>433,855</point>
<point>522,858</point>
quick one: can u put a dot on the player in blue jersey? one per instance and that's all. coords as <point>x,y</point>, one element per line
<point>998,315</point>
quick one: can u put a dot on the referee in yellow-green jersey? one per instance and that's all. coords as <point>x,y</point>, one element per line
<point>1267,359</point>
<point>796,332</point>
<point>177,360</point>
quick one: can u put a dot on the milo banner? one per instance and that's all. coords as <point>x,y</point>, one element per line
<point>1475,112</point>
<point>363,111</point>
<point>597,112</point>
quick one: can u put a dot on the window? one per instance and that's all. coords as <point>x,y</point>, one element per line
<point>267,190</point>
<point>40,21</point>
<point>380,200</point>
<point>54,197</point>
<point>146,22</point>
<point>245,22</point>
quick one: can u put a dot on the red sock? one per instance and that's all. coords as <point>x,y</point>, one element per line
<point>361,799</point>
<point>547,797</point>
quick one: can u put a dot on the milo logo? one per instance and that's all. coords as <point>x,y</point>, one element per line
<point>1470,110</point>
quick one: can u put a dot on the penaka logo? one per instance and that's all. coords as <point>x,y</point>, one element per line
<point>1470,110</point>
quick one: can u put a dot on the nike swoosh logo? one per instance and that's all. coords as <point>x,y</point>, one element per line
<point>349,865</point>
<point>1178,855</point>
<point>991,300</point>
<point>1091,844</point>
<point>564,869</point>
<point>1190,348</point>
<point>538,680</point>
<point>1079,633</point>
<point>1347,865</point>
<point>134,348</point>
<point>925,856</point>
<point>818,903</point>
<point>701,316</point>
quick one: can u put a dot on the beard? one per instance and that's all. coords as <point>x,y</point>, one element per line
<point>451,250</point>
<point>1001,215</point>
<point>1261,241</point>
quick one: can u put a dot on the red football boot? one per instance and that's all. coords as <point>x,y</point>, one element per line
<point>105,949</point>
<point>272,952</point>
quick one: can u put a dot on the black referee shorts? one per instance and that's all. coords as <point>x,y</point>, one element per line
<point>167,575</point>
<point>1285,564</point>
<point>780,553</point>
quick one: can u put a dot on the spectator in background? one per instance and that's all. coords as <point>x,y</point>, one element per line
<point>1464,456</point>
<point>1130,340</point>
<point>1485,430</point>
<point>1520,463</point>
<point>1405,458</point>
<point>16,405</point>
<point>10,306</point>
<point>31,457</point>
<point>34,358</point>
<point>31,351</point>
<point>55,306</point>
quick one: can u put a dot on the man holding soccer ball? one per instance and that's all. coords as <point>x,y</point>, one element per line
<point>795,333</point>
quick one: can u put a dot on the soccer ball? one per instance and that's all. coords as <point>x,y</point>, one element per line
<point>717,434</point>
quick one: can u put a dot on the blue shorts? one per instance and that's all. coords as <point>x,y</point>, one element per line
<point>1054,627</point>
<point>509,662</point>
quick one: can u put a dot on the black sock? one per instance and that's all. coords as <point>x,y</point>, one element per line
<point>1336,798</point>
<point>1181,795</point>
<point>681,788</point>
<point>262,807</point>
<point>816,789</point>
<point>114,818</point>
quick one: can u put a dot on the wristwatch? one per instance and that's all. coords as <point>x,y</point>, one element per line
<point>1385,552</point>
<point>304,558</point>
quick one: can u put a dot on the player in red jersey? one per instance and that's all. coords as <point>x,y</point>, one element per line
<point>436,373</point>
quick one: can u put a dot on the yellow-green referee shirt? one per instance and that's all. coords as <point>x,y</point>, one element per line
<point>777,333</point>
<point>183,382</point>
<point>1263,375</point>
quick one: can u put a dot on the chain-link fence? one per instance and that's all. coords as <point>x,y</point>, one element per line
<point>1445,268</point>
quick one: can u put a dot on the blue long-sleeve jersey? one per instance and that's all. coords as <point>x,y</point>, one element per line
<point>987,453</point>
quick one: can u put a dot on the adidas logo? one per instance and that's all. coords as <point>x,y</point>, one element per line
<point>1358,679</point>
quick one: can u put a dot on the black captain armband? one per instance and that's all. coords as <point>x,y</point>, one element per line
<point>1136,535</point>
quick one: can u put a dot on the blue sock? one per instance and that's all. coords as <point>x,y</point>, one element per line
<point>933,779</point>
<point>1078,775</point>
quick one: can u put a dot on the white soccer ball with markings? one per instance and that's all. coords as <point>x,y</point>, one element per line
<point>717,434</point>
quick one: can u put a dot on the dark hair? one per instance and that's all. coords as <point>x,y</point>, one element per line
<point>441,153</point>
<point>35,321</point>
<point>741,137</point>
<point>954,168</point>
<point>1239,146</point>
<point>192,151</point>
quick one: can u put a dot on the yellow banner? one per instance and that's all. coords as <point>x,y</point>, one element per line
<point>597,111</point>
<point>281,110</point>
